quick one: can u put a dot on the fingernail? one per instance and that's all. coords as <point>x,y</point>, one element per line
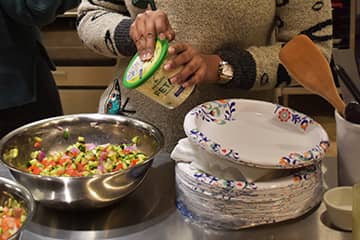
<point>171,50</point>
<point>148,55</point>
<point>162,36</point>
<point>173,80</point>
<point>167,66</point>
<point>143,56</point>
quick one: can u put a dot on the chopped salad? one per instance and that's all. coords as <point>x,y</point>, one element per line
<point>85,159</point>
<point>12,216</point>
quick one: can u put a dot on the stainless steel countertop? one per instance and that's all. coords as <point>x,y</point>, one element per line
<point>150,213</point>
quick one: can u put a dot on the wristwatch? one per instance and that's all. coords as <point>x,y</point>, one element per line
<point>225,72</point>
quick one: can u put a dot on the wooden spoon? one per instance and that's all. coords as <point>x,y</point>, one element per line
<point>305,63</point>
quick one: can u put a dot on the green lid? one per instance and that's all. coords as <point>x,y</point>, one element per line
<point>137,72</point>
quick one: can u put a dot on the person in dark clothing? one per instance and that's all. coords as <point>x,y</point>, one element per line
<point>27,88</point>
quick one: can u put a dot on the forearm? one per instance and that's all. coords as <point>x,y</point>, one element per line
<point>104,28</point>
<point>259,67</point>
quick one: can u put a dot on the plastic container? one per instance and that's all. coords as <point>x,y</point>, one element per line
<point>152,80</point>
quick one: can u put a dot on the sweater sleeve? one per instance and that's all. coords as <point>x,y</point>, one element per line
<point>36,12</point>
<point>259,67</point>
<point>103,26</point>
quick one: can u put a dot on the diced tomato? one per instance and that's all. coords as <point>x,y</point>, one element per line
<point>48,163</point>
<point>70,166</point>
<point>37,144</point>
<point>80,167</point>
<point>36,170</point>
<point>17,212</point>
<point>5,225</point>
<point>64,159</point>
<point>106,153</point>
<point>5,235</point>
<point>11,222</point>
<point>60,172</point>
<point>10,218</point>
<point>70,172</point>
<point>118,167</point>
<point>18,222</point>
<point>134,162</point>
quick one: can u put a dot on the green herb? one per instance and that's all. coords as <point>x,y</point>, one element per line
<point>66,133</point>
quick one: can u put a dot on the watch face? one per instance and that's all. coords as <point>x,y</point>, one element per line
<point>227,71</point>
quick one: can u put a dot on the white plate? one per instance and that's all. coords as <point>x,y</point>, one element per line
<point>256,133</point>
<point>226,204</point>
<point>298,180</point>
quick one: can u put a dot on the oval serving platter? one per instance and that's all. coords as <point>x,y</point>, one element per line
<point>257,133</point>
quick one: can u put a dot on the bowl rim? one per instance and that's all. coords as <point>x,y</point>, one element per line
<point>330,203</point>
<point>28,199</point>
<point>146,125</point>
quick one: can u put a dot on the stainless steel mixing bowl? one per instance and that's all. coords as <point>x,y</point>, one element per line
<point>11,189</point>
<point>80,192</point>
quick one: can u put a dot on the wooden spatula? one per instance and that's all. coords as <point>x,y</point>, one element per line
<point>307,65</point>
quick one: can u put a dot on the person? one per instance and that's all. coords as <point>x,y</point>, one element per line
<point>208,37</point>
<point>27,89</point>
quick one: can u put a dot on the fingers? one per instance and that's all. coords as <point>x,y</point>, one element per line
<point>194,70</point>
<point>150,32</point>
<point>146,28</point>
<point>163,27</point>
<point>181,53</point>
<point>137,30</point>
<point>190,74</point>
<point>195,78</point>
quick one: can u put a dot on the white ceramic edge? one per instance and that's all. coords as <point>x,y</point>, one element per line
<point>323,135</point>
<point>346,122</point>
<point>328,202</point>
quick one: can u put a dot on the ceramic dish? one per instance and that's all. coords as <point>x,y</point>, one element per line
<point>256,133</point>
<point>338,202</point>
<point>224,204</point>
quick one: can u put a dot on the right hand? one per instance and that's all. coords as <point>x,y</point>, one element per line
<point>146,28</point>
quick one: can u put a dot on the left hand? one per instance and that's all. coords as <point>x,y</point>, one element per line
<point>198,68</point>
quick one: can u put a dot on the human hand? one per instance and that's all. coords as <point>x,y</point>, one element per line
<point>146,27</point>
<point>198,68</point>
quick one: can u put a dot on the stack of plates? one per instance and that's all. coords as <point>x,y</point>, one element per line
<point>258,137</point>
<point>227,204</point>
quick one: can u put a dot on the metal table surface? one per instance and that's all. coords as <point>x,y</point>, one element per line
<point>150,213</point>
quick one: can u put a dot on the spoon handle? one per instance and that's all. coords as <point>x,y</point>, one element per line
<point>338,104</point>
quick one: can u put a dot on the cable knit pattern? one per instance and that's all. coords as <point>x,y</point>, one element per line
<point>247,33</point>
<point>123,43</point>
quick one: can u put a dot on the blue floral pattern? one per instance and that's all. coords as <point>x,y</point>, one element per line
<point>221,112</point>
<point>287,115</point>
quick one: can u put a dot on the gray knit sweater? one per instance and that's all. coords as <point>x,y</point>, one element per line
<point>246,33</point>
